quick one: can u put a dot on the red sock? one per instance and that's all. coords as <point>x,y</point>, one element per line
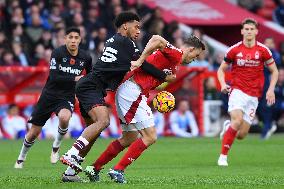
<point>133,152</point>
<point>228,140</point>
<point>111,152</point>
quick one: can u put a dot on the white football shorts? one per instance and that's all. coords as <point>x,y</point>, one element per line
<point>239,100</point>
<point>132,107</point>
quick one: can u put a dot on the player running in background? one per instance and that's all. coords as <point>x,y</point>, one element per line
<point>58,95</point>
<point>107,74</point>
<point>135,114</point>
<point>248,59</point>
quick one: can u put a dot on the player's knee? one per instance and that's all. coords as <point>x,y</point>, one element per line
<point>64,119</point>
<point>150,139</point>
<point>33,133</point>
<point>237,122</point>
<point>104,123</point>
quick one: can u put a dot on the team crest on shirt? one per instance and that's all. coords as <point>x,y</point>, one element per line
<point>256,55</point>
<point>72,61</point>
<point>82,63</point>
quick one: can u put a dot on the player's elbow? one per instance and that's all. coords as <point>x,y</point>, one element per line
<point>159,41</point>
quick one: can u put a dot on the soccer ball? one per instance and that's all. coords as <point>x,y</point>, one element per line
<point>164,102</point>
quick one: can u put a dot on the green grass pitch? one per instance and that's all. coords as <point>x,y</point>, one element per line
<point>170,163</point>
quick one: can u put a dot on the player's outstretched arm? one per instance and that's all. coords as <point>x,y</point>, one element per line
<point>156,42</point>
<point>270,95</point>
<point>221,77</point>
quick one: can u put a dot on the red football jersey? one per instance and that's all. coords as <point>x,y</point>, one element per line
<point>165,60</point>
<point>247,67</point>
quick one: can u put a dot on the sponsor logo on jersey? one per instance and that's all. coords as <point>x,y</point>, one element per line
<point>64,59</point>
<point>82,63</point>
<point>248,63</point>
<point>69,70</point>
<point>52,64</point>
<point>241,62</point>
<point>72,61</point>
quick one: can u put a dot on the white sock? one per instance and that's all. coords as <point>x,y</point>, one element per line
<point>60,135</point>
<point>25,148</point>
<point>223,156</point>
<point>79,144</point>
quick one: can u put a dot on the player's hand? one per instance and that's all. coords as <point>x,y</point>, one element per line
<point>270,97</point>
<point>170,78</point>
<point>78,77</point>
<point>225,88</point>
<point>135,64</point>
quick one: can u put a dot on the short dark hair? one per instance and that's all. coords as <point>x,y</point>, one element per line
<point>194,41</point>
<point>249,21</point>
<point>126,16</point>
<point>72,29</point>
<point>11,106</point>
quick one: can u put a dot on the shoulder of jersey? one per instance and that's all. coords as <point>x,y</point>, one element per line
<point>84,53</point>
<point>262,45</point>
<point>59,51</point>
<point>235,45</point>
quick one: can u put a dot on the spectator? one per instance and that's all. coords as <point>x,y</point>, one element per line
<point>270,43</point>
<point>38,58</point>
<point>159,120</point>
<point>251,5</point>
<point>278,108</point>
<point>34,29</point>
<point>14,125</point>
<point>8,59</point>
<point>201,61</point>
<point>200,34</point>
<point>59,38</point>
<point>278,13</point>
<point>218,58</point>
<point>20,54</point>
<point>182,121</point>
<point>55,15</point>
<point>210,89</point>
<point>184,92</point>
<point>17,16</point>
<point>93,22</point>
<point>212,108</point>
<point>19,36</point>
<point>45,39</point>
<point>4,43</point>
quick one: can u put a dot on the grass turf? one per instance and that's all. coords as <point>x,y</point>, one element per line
<point>170,163</point>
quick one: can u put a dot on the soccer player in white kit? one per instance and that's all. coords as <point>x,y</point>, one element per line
<point>247,59</point>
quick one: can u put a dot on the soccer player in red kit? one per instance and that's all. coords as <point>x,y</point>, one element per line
<point>247,59</point>
<point>135,114</point>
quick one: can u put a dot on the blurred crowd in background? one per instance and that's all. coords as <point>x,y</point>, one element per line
<point>31,29</point>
